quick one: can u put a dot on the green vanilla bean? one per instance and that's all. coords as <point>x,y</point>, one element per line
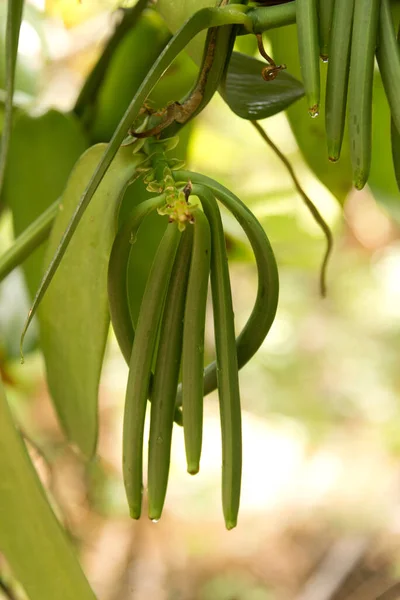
<point>143,349</point>
<point>338,76</point>
<point>166,377</point>
<point>226,358</point>
<point>193,342</point>
<point>263,314</point>
<point>365,26</point>
<point>325,11</point>
<point>203,19</point>
<point>388,55</point>
<point>28,241</point>
<point>307,30</point>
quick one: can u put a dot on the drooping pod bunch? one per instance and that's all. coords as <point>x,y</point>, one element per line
<point>165,350</point>
<point>351,33</point>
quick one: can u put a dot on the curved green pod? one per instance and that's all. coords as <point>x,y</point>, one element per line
<point>226,360</point>
<point>193,342</point>
<point>140,367</point>
<point>166,376</point>
<point>265,306</point>
<point>117,272</point>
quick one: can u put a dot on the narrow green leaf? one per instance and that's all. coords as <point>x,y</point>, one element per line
<point>251,97</point>
<point>14,18</point>
<point>42,153</point>
<point>310,132</point>
<point>31,538</point>
<point>74,314</point>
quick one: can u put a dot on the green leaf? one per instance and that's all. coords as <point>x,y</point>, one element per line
<point>310,133</point>
<point>249,96</point>
<point>126,71</point>
<point>31,538</point>
<point>382,180</point>
<point>42,153</point>
<point>74,315</point>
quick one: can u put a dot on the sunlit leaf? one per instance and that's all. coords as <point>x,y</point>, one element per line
<point>43,151</point>
<point>250,96</point>
<point>31,538</point>
<point>74,314</point>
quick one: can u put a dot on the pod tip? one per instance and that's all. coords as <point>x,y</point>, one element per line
<point>193,468</point>
<point>134,512</point>
<point>230,524</point>
<point>313,111</point>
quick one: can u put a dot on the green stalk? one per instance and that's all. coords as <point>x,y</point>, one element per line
<point>14,18</point>
<point>28,241</point>
<point>270,17</point>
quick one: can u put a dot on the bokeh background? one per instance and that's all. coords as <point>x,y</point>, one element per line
<point>320,508</point>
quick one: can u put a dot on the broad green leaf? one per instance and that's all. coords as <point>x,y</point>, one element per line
<point>251,97</point>
<point>42,153</point>
<point>74,316</point>
<point>310,133</point>
<point>31,538</point>
<point>128,67</point>
<point>382,180</point>
<point>14,18</point>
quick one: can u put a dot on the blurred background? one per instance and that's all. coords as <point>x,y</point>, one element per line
<point>320,508</point>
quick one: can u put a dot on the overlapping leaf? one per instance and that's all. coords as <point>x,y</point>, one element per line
<point>31,538</point>
<point>74,314</point>
<point>42,153</point>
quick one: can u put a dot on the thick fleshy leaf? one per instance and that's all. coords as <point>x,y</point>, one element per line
<point>382,180</point>
<point>74,314</point>
<point>309,132</point>
<point>31,538</point>
<point>250,96</point>
<point>42,154</point>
